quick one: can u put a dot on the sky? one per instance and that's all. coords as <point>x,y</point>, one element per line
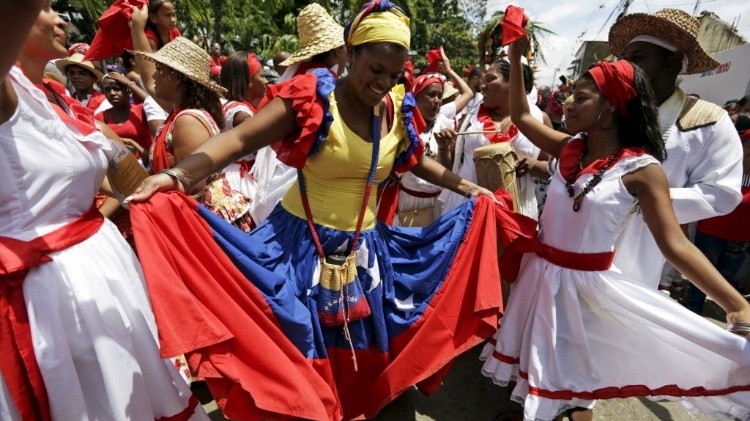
<point>577,21</point>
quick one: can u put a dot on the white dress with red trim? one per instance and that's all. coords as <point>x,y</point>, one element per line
<point>574,332</point>
<point>92,329</point>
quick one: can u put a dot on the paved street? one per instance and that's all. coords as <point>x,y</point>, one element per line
<point>466,395</point>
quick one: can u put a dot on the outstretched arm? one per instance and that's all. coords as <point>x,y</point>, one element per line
<point>649,185</point>
<point>274,122</point>
<point>464,91</point>
<point>545,138</point>
<point>429,170</point>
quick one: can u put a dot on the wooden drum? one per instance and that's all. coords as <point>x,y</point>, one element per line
<point>495,167</point>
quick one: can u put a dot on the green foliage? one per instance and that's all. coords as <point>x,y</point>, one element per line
<point>490,39</point>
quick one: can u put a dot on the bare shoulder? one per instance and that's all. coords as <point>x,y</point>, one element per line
<point>8,100</point>
<point>646,178</point>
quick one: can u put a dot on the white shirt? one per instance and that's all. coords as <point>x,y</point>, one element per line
<point>704,170</point>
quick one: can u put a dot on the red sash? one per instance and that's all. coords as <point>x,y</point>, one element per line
<point>510,261</point>
<point>18,363</point>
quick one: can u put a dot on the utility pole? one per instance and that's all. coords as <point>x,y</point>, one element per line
<point>695,9</point>
<point>624,10</point>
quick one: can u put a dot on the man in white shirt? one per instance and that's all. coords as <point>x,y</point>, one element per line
<point>704,153</point>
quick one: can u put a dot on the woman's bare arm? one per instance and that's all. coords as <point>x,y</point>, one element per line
<point>650,186</point>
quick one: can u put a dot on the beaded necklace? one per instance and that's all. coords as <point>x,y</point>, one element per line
<point>596,179</point>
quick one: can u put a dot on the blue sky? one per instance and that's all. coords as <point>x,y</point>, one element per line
<point>570,19</point>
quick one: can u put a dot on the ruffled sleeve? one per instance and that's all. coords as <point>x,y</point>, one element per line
<point>309,95</point>
<point>411,147</point>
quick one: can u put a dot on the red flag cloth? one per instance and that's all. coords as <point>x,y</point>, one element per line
<point>206,308</point>
<point>388,201</point>
<point>113,36</point>
<point>408,75</point>
<point>433,58</point>
<point>18,364</point>
<point>514,24</point>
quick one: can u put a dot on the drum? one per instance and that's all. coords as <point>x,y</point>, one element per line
<point>495,167</point>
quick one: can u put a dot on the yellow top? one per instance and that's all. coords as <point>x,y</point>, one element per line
<point>336,176</point>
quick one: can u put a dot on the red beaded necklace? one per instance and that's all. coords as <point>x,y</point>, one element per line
<point>596,179</point>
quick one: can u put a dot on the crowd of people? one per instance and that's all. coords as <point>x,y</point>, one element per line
<point>323,230</point>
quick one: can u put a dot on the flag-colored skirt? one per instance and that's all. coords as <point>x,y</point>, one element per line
<point>243,308</point>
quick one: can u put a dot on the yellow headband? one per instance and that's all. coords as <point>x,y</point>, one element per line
<point>382,27</point>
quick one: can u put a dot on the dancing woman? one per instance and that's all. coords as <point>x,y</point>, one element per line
<point>576,326</point>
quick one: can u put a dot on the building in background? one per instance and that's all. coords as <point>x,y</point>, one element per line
<point>589,53</point>
<point>716,35</point>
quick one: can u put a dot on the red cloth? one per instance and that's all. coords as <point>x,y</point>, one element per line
<point>388,201</point>
<point>301,90</point>
<point>572,152</point>
<point>206,308</point>
<point>513,24</point>
<point>96,99</point>
<point>113,35</point>
<point>159,155</point>
<point>734,226</point>
<point>488,125</point>
<point>433,59</point>
<point>408,75</point>
<point>135,127</point>
<point>18,364</point>
<point>75,114</point>
<point>615,81</point>
<point>253,65</point>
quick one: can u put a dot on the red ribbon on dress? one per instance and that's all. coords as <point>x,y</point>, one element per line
<point>510,261</point>
<point>18,363</point>
<point>160,156</point>
<point>483,116</point>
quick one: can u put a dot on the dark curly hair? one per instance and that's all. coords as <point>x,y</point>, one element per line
<point>153,8</point>
<point>640,128</point>
<point>197,96</point>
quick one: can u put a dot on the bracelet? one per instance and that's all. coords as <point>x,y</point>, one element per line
<point>469,191</point>
<point>178,177</point>
<point>445,149</point>
<point>131,83</point>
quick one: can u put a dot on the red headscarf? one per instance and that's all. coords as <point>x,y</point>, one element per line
<point>423,81</point>
<point>615,81</point>
<point>253,64</point>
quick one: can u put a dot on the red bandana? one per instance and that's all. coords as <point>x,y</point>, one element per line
<point>423,81</point>
<point>615,81</point>
<point>253,65</point>
<point>572,152</point>
<point>489,126</point>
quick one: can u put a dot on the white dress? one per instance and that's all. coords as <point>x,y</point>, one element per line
<point>463,164</point>
<point>93,332</point>
<point>569,337</point>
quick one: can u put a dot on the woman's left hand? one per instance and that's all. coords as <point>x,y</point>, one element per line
<point>740,316</point>
<point>477,191</point>
<point>524,165</point>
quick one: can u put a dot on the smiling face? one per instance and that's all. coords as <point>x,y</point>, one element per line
<point>494,88</point>
<point>47,38</point>
<point>257,88</point>
<point>582,112</point>
<point>374,70</point>
<point>429,101</point>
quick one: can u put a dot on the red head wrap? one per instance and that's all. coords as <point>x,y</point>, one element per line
<point>423,81</point>
<point>253,65</point>
<point>744,136</point>
<point>615,81</point>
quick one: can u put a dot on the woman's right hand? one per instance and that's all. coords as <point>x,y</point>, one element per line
<point>517,47</point>
<point>140,17</point>
<point>445,137</point>
<point>152,185</point>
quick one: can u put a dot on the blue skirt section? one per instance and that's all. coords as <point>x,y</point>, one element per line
<point>399,269</point>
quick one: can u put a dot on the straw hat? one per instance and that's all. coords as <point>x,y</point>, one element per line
<point>187,58</point>
<point>674,26</point>
<point>318,33</point>
<point>449,91</point>
<point>77,60</point>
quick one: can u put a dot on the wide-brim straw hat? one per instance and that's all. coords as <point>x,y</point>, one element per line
<point>77,60</point>
<point>449,91</point>
<point>187,58</point>
<point>318,33</point>
<point>673,26</point>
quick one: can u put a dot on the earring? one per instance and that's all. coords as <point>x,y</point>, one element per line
<point>599,124</point>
